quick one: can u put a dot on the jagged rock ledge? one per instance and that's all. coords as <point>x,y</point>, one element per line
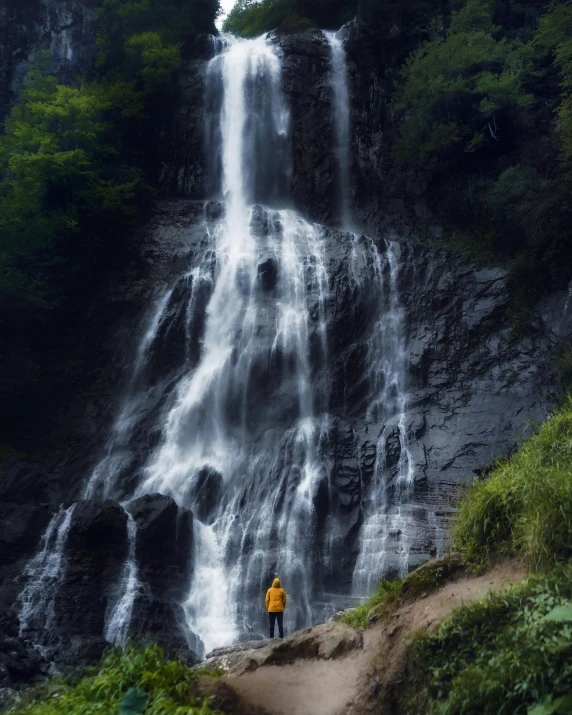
<point>324,642</point>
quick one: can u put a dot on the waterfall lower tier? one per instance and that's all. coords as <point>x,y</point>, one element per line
<point>249,430</point>
<point>44,574</point>
<point>118,618</point>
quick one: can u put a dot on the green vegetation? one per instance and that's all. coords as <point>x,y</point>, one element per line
<point>250,18</point>
<point>60,197</point>
<point>77,162</point>
<point>132,682</point>
<point>385,596</point>
<point>510,653</point>
<point>525,506</point>
<point>485,107</point>
<point>391,594</point>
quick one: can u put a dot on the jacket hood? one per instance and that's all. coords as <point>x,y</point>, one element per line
<point>276,583</point>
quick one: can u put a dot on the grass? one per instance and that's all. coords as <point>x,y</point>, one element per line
<point>132,682</point>
<point>509,653</point>
<point>388,592</point>
<point>512,651</point>
<point>524,507</point>
<point>391,594</point>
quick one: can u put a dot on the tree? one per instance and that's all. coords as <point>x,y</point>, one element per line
<point>463,93</point>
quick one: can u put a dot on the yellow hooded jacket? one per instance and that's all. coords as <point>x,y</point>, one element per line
<point>275,598</point>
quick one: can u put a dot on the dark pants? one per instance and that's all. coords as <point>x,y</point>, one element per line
<point>273,618</point>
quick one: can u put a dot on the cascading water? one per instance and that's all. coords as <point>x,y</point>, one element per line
<point>385,529</point>
<point>44,573</point>
<point>118,618</point>
<point>341,115</point>
<point>242,421</point>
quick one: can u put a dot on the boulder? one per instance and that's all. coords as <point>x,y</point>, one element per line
<point>267,274</point>
<point>94,555</point>
<point>164,547</point>
<point>227,657</point>
<point>259,222</point>
<point>205,493</point>
<point>325,642</point>
<point>97,529</point>
<point>164,542</point>
<point>214,210</point>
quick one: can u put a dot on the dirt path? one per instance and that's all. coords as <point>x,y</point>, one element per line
<point>363,681</point>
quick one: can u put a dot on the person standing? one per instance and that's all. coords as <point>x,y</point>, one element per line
<point>275,605</point>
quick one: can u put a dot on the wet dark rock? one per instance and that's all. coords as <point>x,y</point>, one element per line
<point>267,274</point>
<point>214,210</point>
<point>346,475</point>
<point>67,28</point>
<point>164,547</point>
<point>95,554</point>
<point>181,150</point>
<point>204,494</point>
<point>168,352</point>
<point>393,451</point>
<point>22,482</point>
<point>20,662</point>
<point>164,541</point>
<point>21,526</point>
<point>305,80</point>
<point>259,222</point>
<point>97,530</point>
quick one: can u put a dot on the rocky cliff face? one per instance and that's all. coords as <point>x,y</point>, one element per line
<point>65,27</point>
<point>473,389</point>
<point>382,198</point>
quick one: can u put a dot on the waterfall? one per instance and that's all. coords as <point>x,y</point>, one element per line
<point>118,456</point>
<point>44,573</point>
<point>386,526</point>
<point>341,115</point>
<point>242,421</point>
<point>118,617</point>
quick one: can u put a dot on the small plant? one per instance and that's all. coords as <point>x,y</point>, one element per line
<point>565,369</point>
<point>387,594</point>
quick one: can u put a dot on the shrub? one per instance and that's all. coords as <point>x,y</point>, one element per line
<point>509,653</point>
<point>525,506</point>
<point>133,679</point>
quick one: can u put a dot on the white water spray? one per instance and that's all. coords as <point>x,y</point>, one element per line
<point>44,573</point>
<point>341,115</point>
<point>118,617</point>
<point>386,528</point>
<point>246,413</point>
